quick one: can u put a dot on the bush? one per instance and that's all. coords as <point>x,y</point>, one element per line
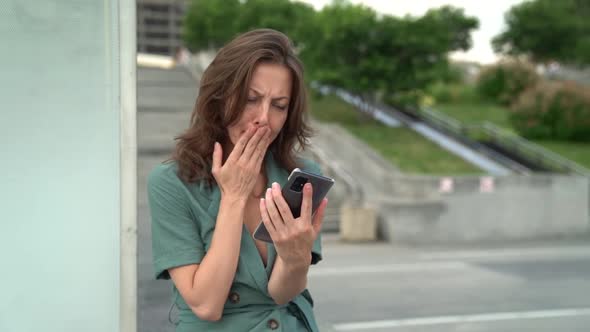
<point>553,110</point>
<point>405,100</point>
<point>505,81</point>
<point>450,93</point>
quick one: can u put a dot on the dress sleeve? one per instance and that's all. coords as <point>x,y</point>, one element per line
<point>176,239</point>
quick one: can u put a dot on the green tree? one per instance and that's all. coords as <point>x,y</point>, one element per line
<point>209,24</point>
<point>344,45</point>
<point>419,47</point>
<point>212,23</point>
<point>384,57</point>
<point>338,53</point>
<point>547,30</point>
<point>291,18</point>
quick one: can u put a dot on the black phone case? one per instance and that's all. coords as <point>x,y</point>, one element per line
<point>320,184</point>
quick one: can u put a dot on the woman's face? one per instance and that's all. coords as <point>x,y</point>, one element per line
<point>269,94</point>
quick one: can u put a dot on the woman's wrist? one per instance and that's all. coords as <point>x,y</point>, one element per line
<point>297,266</point>
<point>234,201</point>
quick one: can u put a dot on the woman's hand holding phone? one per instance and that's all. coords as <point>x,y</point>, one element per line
<point>293,237</point>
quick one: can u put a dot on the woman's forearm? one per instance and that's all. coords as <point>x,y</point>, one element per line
<point>214,277</point>
<point>287,281</point>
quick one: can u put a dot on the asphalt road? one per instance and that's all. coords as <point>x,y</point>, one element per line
<point>537,287</point>
<point>379,287</point>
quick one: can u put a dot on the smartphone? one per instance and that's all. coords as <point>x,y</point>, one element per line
<point>293,194</point>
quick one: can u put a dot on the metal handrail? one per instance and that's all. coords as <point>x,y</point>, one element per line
<point>356,193</point>
<point>446,122</point>
<point>539,154</point>
<point>461,131</point>
<point>515,142</point>
<point>533,150</point>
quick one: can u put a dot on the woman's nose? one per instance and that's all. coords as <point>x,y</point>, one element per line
<point>262,116</point>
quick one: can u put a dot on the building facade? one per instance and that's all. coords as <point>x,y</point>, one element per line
<point>159,26</point>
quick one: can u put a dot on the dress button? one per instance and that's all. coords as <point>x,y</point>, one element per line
<point>234,297</point>
<point>273,324</point>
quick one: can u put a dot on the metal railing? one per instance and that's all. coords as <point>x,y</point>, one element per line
<point>441,121</point>
<point>356,194</point>
<point>508,140</point>
<point>529,150</point>
<point>462,132</point>
<point>474,135</point>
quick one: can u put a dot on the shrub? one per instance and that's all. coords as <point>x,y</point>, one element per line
<point>553,110</point>
<point>405,100</point>
<point>450,93</point>
<point>505,81</point>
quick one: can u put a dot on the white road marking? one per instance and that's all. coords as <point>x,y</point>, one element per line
<point>385,268</point>
<point>489,317</point>
<point>509,254</point>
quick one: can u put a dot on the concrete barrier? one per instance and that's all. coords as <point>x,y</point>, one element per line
<point>358,223</point>
<point>485,209</point>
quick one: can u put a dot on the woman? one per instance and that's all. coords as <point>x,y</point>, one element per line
<point>224,178</point>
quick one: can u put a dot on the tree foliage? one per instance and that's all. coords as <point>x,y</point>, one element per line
<point>547,30</point>
<point>291,18</point>
<point>209,24</point>
<point>504,81</point>
<point>385,56</point>
<point>212,23</point>
<point>344,44</point>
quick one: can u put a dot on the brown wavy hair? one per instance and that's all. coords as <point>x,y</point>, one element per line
<point>223,94</point>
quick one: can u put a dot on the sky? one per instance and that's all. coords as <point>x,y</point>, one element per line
<point>489,13</point>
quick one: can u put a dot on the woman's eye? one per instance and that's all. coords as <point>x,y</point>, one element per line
<point>252,99</point>
<point>281,107</point>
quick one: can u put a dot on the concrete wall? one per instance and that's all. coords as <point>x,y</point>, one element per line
<point>67,181</point>
<point>517,208</point>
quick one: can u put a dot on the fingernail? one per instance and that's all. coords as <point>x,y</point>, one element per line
<point>275,185</point>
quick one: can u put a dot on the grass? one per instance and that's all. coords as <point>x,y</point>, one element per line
<point>406,149</point>
<point>575,151</point>
<point>473,112</point>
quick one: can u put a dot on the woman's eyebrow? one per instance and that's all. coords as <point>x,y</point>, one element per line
<point>277,98</point>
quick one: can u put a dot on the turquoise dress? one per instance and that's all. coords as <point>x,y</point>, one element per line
<point>183,220</point>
